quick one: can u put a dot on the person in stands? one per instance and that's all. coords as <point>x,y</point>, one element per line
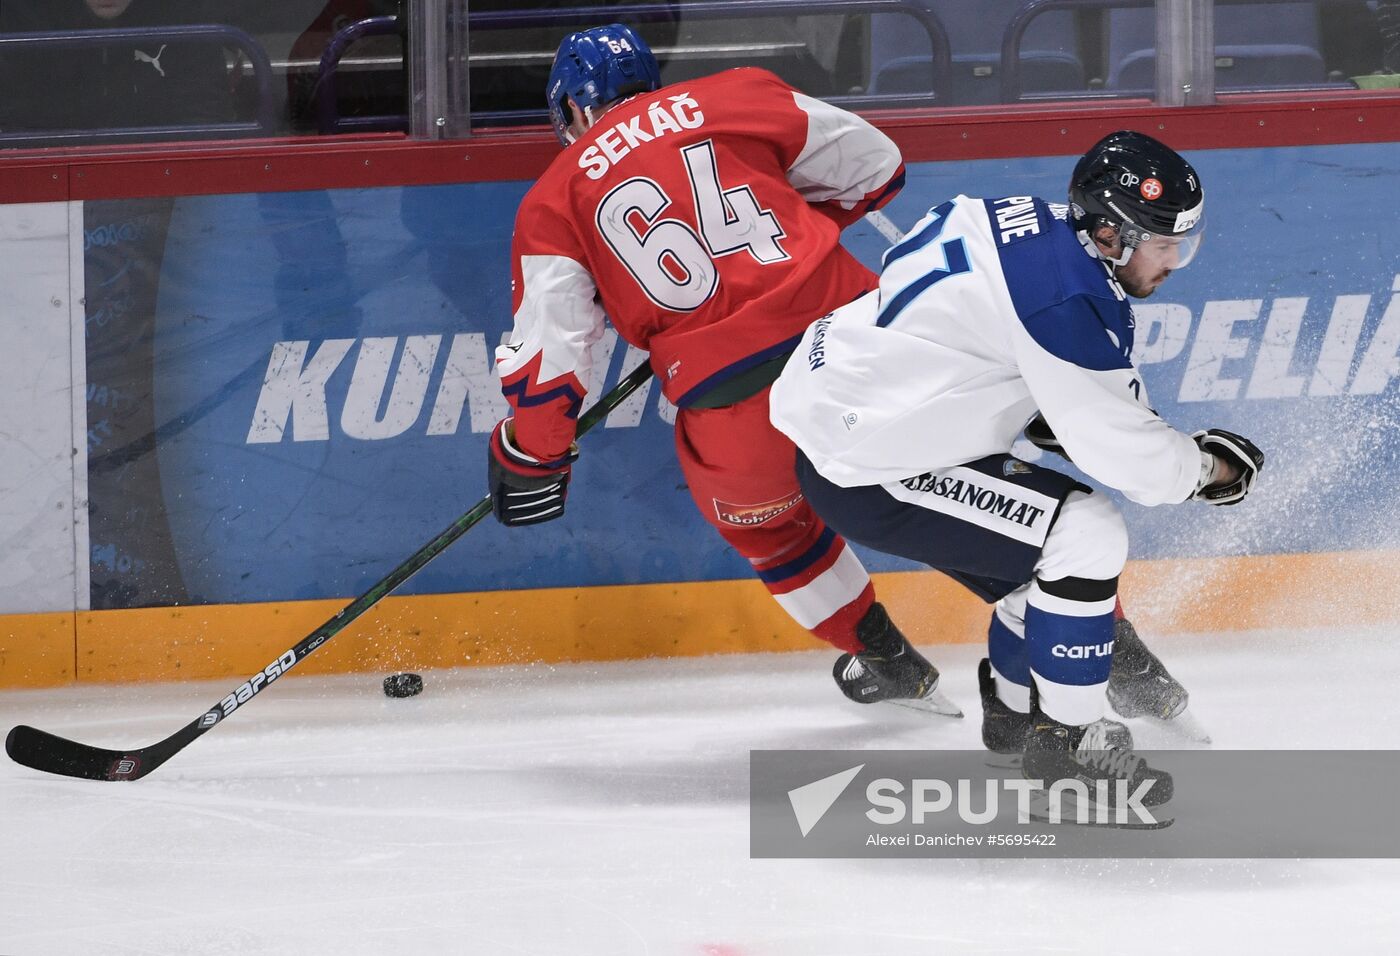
<point>132,82</point>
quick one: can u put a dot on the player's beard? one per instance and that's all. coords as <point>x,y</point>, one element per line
<point>1141,288</point>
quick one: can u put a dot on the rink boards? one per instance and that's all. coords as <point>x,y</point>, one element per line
<point>228,414</point>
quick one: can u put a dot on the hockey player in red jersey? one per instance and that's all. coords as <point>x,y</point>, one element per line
<point>704,220</point>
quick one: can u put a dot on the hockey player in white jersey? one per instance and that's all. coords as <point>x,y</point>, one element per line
<point>904,406</point>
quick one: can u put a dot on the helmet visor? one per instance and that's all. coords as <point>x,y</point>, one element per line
<point>1172,252</point>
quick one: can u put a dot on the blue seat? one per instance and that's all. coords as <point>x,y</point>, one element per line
<point>1257,46</point>
<point>901,61</point>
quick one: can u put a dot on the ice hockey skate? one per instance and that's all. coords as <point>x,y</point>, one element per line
<point>1140,686</point>
<point>1003,730</point>
<point>1100,755</point>
<point>889,669</point>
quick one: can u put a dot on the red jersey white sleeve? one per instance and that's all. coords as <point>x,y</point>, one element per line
<point>846,167</point>
<point>704,219</point>
<point>545,362</point>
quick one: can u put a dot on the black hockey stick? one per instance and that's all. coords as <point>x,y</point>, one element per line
<point>52,754</point>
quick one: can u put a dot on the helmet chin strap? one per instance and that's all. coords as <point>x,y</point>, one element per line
<point>1087,241</point>
<point>1122,260</point>
<point>588,120</point>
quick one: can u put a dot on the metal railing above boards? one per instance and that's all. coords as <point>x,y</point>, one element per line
<point>328,118</point>
<point>940,65</point>
<point>220,35</point>
<point>1187,54</point>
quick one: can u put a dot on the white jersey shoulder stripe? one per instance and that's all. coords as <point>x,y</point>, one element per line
<point>558,319</point>
<point>844,159</point>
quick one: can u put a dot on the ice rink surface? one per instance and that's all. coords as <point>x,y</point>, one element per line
<point>602,809</point>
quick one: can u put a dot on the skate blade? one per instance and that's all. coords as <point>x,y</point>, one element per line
<point>1068,820</point>
<point>1097,817</point>
<point>1185,727</point>
<point>934,702</point>
<point>1188,724</point>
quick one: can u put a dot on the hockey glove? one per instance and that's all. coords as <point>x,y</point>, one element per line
<point>525,490</point>
<point>1038,433</point>
<point>1236,450</point>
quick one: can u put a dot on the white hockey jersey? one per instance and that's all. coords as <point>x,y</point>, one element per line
<point>987,311</point>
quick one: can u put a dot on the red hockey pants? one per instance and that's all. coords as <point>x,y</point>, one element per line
<point>740,471</point>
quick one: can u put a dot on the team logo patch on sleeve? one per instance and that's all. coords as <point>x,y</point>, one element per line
<point>746,516</point>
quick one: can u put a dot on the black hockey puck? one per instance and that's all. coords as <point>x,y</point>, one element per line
<point>403,685</point>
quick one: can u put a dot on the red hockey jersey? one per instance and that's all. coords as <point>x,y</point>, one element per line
<point>704,219</point>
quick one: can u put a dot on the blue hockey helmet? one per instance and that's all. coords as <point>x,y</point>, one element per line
<point>594,68</point>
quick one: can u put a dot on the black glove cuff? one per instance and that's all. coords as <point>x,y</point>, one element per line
<point>1238,451</point>
<point>1039,434</point>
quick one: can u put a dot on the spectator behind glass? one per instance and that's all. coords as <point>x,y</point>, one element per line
<point>109,85</point>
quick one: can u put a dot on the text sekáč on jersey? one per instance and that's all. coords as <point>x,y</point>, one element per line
<point>671,115</point>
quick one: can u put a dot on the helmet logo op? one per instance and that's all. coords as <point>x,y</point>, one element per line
<point>1151,189</point>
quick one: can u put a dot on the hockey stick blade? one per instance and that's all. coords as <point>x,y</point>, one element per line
<point>41,750</point>
<point>49,753</point>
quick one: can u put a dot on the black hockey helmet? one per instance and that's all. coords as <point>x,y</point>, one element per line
<point>1140,187</point>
